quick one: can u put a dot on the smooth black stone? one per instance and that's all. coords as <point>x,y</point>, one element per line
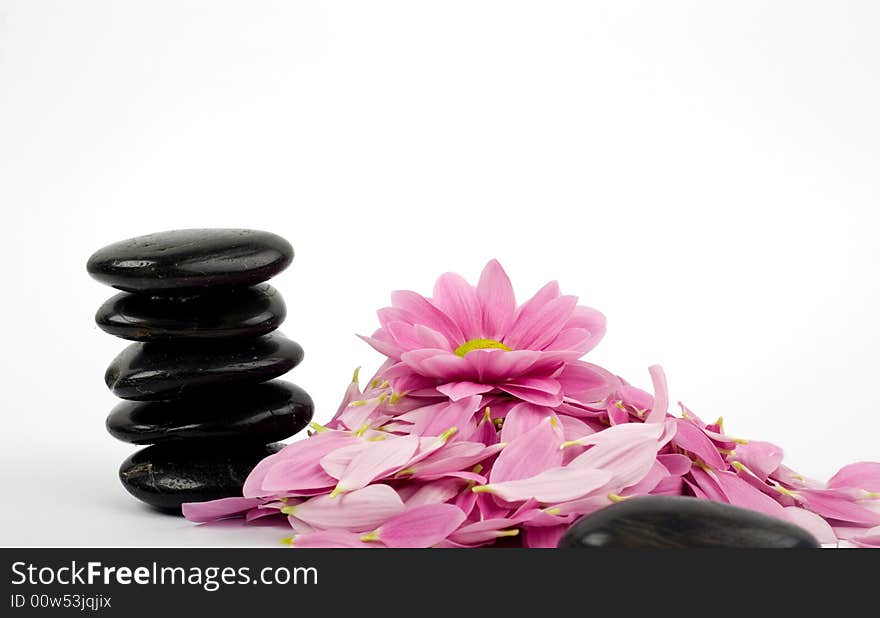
<point>241,312</point>
<point>171,262</point>
<point>676,522</point>
<point>165,476</point>
<point>172,370</point>
<point>260,413</point>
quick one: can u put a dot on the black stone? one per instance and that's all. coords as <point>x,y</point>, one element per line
<point>180,260</point>
<point>241,312</point>
<point>165,476</point>
<point>260,413</point>
<point>676,522</point>
<point>171,370</point>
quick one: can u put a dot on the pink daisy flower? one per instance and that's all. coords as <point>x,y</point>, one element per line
<point>471,340</point>
<point>483,427</point>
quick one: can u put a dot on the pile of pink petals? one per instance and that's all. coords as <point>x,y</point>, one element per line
<point>483,427</point>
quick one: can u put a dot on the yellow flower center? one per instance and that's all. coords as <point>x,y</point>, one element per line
<point>480,344</point>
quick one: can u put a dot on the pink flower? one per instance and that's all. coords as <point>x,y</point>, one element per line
<point>483,427</point>
<point>468,340</point>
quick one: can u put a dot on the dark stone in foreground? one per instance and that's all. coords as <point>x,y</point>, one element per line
<point>166,476</point>
<point>241,312</point>
<point>169,262</point>
<point>260,413</point>
<point>171,370</point>
<point>672,522</point>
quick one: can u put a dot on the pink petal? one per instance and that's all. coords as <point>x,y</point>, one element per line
<point>583,506</point>
<point>648,482</point>
<point>589,319</point>
<point>575,342</point>
<point>628,450</point>
<point>458,299</point>
<point>496,297</point>
<point>493,366</point>
<point>706,486</point>
<point>486,433</point>
<point>540,329</point>
<point>761,458</point>
<point>356,416</point>
<point>421,526</point>
<point>590,413</point>
<point>473,477</point>
<point>764,486</point>
<point>847,533</point>
<point>381,342</point>
<point>466,501</point>
<point>661,395</point>
<point>740,493</point>
<point>636,398</point>
<point>352,393</point>
<point>428,445</point>
<point>529,454</point>
<point>297,466</point>
<point>460,390</point>
<point>422,311</point>
<point>521,418</point>
<point>456,456</point>
<point>531,514</point>
<point>259,513</point>
<point>458,414</point>
<point>812,523</point>
<point>483,531</point>
<point>698,492</point>
<point>870,539</point>
<point>670,486</point>
<point>377,460</point>
<point>539,391</point>
<point>437,364</point>
<point>336,462</point>
<point>489,507</point>
<point>574,428</point>
<point>550,486</point>
<point>675,463</point>
<point>691,438</point>
<point>529,312</point>
<point>623,435</point>
<point>618,415</point>
<point>863,475</point>
<point>831,506</point>
<point>411,337</point>
<point>358,511</point>
<point>218,509</point>
<point>586,383</point>
<point>330,539</point>
<point>435,492</point>
<point>631,468</point>
<point>792,480</point>
<point>544,536</point>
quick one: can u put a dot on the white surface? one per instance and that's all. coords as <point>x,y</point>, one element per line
<point>707,174</point>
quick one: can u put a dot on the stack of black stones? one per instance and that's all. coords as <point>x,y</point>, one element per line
<point>199,381</point>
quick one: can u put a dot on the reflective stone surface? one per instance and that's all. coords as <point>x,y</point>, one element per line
<point>170,370</point>
<point>178,260</point>
<point>258,413</point>
<point>672,522</point>
<point>166,476</point>
<point>240,312</point>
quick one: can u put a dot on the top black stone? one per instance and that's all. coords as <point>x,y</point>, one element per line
<point>187,260</point>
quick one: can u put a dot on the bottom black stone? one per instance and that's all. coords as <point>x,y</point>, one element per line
<point>166,476</point>
<point>675,522</point>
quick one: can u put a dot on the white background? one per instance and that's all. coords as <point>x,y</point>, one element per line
<point>705,173</point>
